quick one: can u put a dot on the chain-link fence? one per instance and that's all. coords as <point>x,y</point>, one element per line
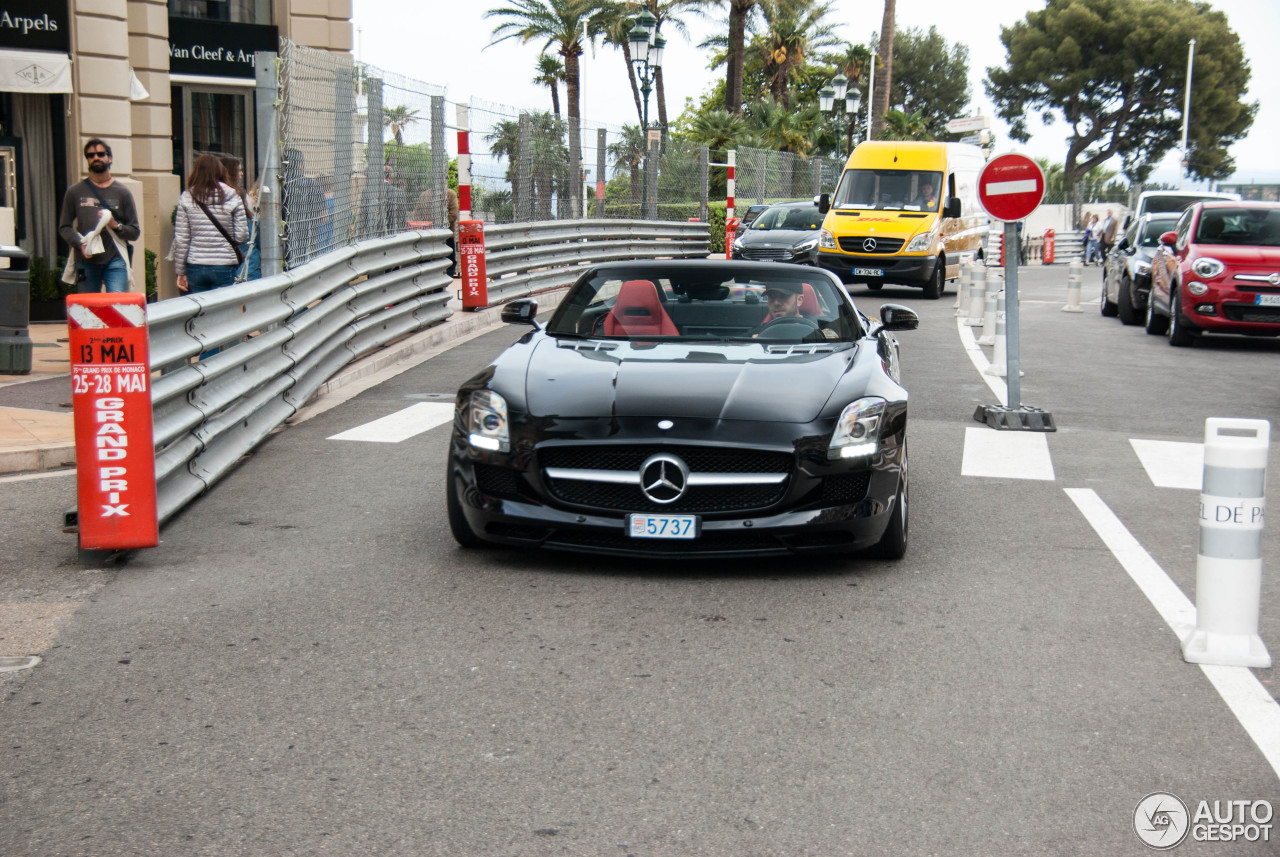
<point>364,153</point>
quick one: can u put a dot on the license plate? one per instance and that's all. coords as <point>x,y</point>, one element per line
<point>664,526</point>
<point>1266,300</point>
<point>868,272</point>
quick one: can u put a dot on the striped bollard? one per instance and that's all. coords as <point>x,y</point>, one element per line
<point>1229,561</point>
<point>1075,273</point>
<point>962,296</point>
<point>989,321</point>
<point>977,296</point>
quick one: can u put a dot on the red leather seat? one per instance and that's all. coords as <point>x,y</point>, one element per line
<point>809,301</point>
<point>638,312</point>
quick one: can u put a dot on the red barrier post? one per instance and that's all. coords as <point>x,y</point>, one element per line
<point>111,408</point>
<point>1050,239</point>
<point>730,231</point>
<point>475,284</point>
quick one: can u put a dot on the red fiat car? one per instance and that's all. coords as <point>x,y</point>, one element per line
<point>1218,271</point>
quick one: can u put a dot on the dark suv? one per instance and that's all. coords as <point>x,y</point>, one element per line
<point>1126,279</point>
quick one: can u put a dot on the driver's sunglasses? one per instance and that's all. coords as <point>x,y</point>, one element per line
<point>89,156</point>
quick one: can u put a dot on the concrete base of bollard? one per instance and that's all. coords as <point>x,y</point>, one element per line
<point>1227,650</point>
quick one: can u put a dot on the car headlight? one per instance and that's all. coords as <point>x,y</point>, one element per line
<point>1144,267</point>
<point>1197,288</point>
<point>857,433</point>
<point>487,425</point>
<point>826,240</point>
<point>805,245</point>
<point>1208,267</point>
<point>920,243</point>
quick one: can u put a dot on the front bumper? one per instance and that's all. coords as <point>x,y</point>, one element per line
<point>1224,309</point>
<point>898,270</point>
<point>826,507</point>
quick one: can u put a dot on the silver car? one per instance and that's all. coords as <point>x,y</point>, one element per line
<point>1126,278</point>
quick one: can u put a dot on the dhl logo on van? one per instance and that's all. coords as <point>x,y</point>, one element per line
<point>877,220</point>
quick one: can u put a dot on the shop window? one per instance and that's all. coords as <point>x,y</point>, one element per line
<point>236,11</point>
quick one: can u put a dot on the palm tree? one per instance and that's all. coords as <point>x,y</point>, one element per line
<point>884,75</point>
<point>739,16</point>
<point>550,73</point>
<point>397,119</point>
<point>792,29</point>
<point>900,125</point>
<point>718,130</point>
<point>784,129</point>
<point>628,156</point>
<point>670,12</point>
<point>567,24</point>
<point>617,32</point>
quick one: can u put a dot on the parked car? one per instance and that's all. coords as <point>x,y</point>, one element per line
<point>1174,201</point>
<point>786,232</point>
<point>1218,271</point>
<point>688,408</point>
<point>749,214</point>
<point>1126,279</point>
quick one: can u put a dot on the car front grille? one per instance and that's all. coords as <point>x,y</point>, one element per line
<point>759,254</point>
<point>846,487</point>
<point>704,459</point>
<point>1251,314</point>
<point>702,500</point>
<point>853,244</point>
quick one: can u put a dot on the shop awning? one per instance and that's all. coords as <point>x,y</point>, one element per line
<point>34,71</point>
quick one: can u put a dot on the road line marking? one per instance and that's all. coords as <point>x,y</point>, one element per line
<point>1251,703</point>
<point>401,425</point>
<point>1171,464</point>
<point>980,361</point>
<point>1006,454</point>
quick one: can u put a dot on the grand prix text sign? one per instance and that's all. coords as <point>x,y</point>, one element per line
<point>1010,187</point>
<point>111,404</point>
<point>475,281</point>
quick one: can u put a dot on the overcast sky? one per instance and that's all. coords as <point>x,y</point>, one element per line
<point>444,43</point>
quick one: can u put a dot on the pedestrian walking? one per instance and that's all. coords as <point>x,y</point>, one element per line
<point>1091,234</point>
<point>1110,227</point>
<point>252,267</point>
<point>98,220</point>
<point>209,228</point>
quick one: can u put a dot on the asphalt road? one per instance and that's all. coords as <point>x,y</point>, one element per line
<point>308,664</point>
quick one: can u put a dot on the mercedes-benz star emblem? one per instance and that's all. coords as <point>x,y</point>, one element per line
<point>869,245</point>
<point>663,478</point>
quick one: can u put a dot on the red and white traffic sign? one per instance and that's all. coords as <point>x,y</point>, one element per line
<point>1010,187</point>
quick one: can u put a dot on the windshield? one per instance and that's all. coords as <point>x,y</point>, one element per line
<point>889,190</point>
<point>706,303</point>
<point>1154,229</point>
<point>805,218</point>
<point>1175,202</point>
<point>1260,226</point>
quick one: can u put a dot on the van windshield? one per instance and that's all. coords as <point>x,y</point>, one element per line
<point>889,190</point>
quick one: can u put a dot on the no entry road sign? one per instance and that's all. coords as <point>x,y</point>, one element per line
<point>1010,187</point>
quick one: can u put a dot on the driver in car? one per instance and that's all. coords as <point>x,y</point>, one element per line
<point>784,302</point>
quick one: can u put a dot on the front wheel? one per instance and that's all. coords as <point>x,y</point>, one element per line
<point>458,526</point>
<point>1109,309</point>
<point>1181,332</point>
<point>1155,323</point>
<point>1128,312</point>
<point>937,283</point>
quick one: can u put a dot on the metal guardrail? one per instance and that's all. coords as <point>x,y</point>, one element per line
<point>1068,246</point>
<point>282,337</point>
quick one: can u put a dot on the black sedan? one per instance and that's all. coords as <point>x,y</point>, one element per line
<point>1126,278</point>
<point>688,408</point>
<point>786,232</point>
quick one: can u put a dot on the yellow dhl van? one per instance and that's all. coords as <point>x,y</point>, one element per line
<point>904,213</point>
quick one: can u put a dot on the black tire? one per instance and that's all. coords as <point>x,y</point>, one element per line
<point>1128,312</point>
<point>1182,333</point>
<point>1109,309</point>
<point>893,544</point>
<point>1156,324</point>
<point>937,283</point>
<point>462,532</point>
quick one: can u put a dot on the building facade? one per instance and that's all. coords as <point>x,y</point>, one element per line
<point>161,82</point>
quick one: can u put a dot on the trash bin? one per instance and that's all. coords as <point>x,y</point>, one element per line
<point>15,312</point>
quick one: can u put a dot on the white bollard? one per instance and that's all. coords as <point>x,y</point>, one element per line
<point>1075,273</point>
<point>989,321</point>
<point>962,296</point>
<point>1000,356</point>
<point>1229,561</point>
<point>977,296</point>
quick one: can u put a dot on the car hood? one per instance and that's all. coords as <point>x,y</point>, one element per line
<point>1246,255</point>
<point>772,238</point>
<point>731,382</point>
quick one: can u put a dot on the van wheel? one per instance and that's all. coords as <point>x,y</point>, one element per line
<point>937,283</point>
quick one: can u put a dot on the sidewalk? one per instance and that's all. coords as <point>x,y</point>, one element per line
<point>36,430</point>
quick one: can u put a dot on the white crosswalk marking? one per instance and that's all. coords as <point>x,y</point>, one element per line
<point>1006,454</point>
<point>401,425</point>
<point>1171,464</point>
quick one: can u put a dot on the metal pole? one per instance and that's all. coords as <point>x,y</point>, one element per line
<point>871,92</point>
<point>268,122</point>
<point>1011,315</point>
<point>1186,111</point>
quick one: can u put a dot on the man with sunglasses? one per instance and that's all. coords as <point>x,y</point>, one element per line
<point>81,208</point>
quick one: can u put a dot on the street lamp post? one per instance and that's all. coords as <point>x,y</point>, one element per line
<point>833,98</point>
<point>646,55</point>
<point>1186,110</point>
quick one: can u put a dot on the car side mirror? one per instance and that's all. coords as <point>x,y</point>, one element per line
<point>521,311</point>
<point>1122,246</point>
<point>898,317</point>
<point>1169,238</point>
<point>953,207</point>
<point>823,201</point>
